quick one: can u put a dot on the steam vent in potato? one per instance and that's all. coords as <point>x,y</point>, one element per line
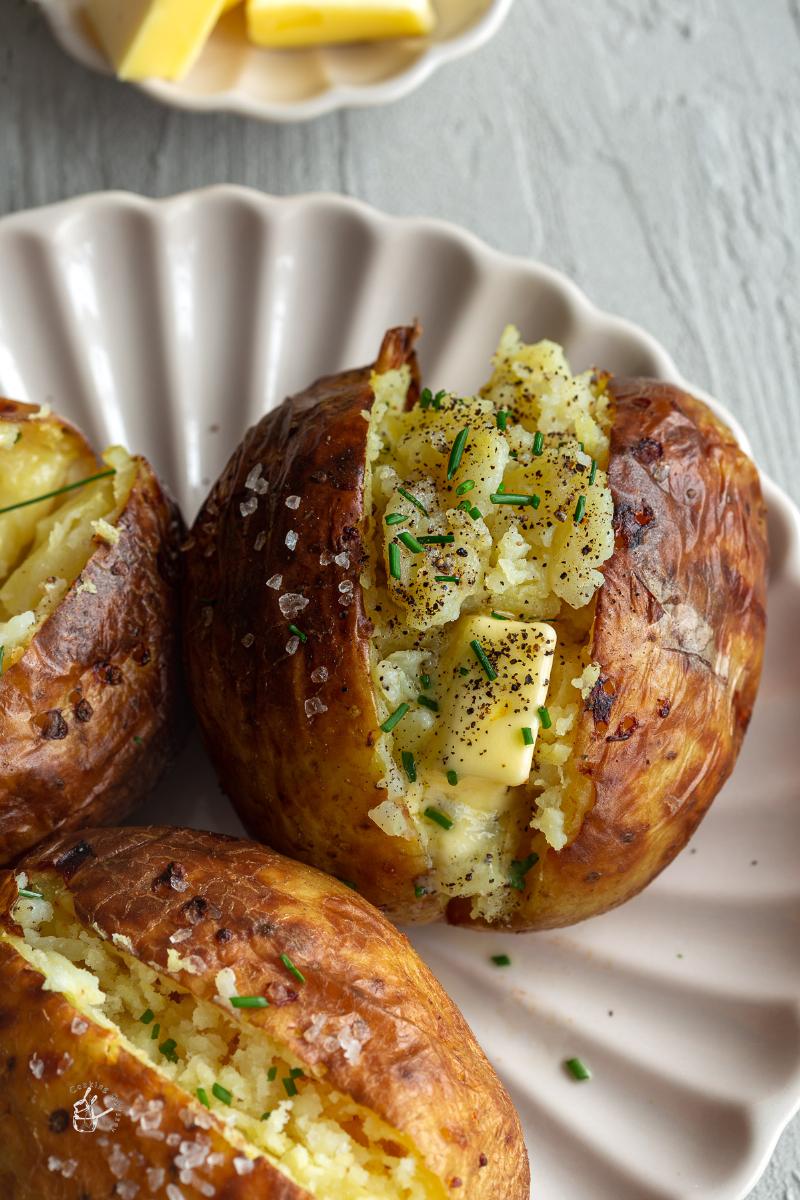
<point>227,1023</point>
<point>488,657</point>
<point>89,644</point>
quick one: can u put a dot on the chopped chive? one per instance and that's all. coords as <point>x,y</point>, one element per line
<point>465,505</point>
<point>410,542</point>
<point>501,960</point>
<point>265,1116</point>
<point>298,633</point>
<point>425,681</point>
<point>433,814</point>
<point>466,486</point>
<point>419,890</point>
<point>147,1016</point>
<point>290,1086</point>
<point>413,500</point>
<point>527,735</point>
<point>426,396</point>
<point>398,714</point>
<point>475,513</point>
<point>348,883</point>
<point>581,446</point>
<point>202,1096</point>
<point>515,498</point>
<point>297,1073</point>
<point>452,778</point>
<point>519,869</point>
<point>394,518</point>
<point>545,718</point>
<point>2,656</point>
<point>249,1001</point>
<point>580,510</point>
<point>577,1069</point>
<point>154,1033</point>
<point>446,579</point>
<point>538,443</point>
<point>427,702</point>
<point>535,501</point>
<point>292,969</point>
<point>480,654</point>
<point>502,420</point>
<point>137,741</point>
<point>438,398</point>
<point>463,670</point>
<point>409,766</point>
<point>222,1093</point>
<point>68,487</point>
<point>272,1073</point>
<point>437,539</point>
<point>500,616</point>
<point>29,894</point>
<point>167,1048</point>
<point>394,560</point>
<point>593,472</point>
<point>457,453</point>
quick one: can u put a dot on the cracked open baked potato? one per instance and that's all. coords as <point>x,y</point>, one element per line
<point>220,1021</point>
<point>488,658</point>
<point>90,708</point>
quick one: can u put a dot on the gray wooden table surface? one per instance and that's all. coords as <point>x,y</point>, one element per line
<point>649,148</point>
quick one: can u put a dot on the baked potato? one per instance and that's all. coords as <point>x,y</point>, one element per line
<point>228,1023</point>
<point>91,696</point>
<point>488,658</point>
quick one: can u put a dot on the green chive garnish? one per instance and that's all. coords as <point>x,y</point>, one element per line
<point>593,472</point>
<point>519,869</point>
<point>577,1069</point>
<point>502,420</point>
<point>68,487</point>
<point>419,890</point>
<point>466,486</point>
<point>167,1048</point>
<point>147,1016</point>
<point>2,656</point>
<point>535,501</point>
<point>272,1073</point>
<point>409,766</point>
<point>437,539</point>
<point>292,969</point>
<point>348,883</point>
<point>413,500</point>
<point>580,509</point>
<point>394,560</point>
<point>515,498</point>
<point>465,505</point>
<point>501,960</point>
<point>398,714</point>
<point>452,778</point>
<point>500,616</point>
<point>154,1033</point>
<point>457,453</point>
<point>480,654</point>
<point>433,814</point>
<point>202,1096</point>
<point>410,542</point>
<point>298,633</point>
<point>29,894</point>
<point>538,443</point>
<point>297,1073</point>
<point>446,578</point>
<point>527,735</point>
<point>438,398</point>
<point>222,1093</point>
<point>249,1001</point>
<point>137,741</point>
<point>290,1086</point>
<point>463,670</point>
<point>394,518</point>
<point>425,681</point>
<point>545,718</point>
<point>426,396</point>
<point>475,513</point>
<point>426,702</point>
<point>266,1115</point>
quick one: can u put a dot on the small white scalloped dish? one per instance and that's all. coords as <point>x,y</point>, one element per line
<point>232,75</point>
<point>172,326</point>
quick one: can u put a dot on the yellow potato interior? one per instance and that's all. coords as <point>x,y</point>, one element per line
<point>270,1104</point>
<point>490,521</point>
<point>45,546</point>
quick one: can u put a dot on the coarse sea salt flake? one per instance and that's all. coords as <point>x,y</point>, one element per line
<point>242,1166</point>
<point>180,935</point>
<point>36,1066</point>
<point>78,1026</point>
<point>291,539</point>
<point>346,586</point>
<point>155,1178</point>
<point>292,604</point>
<point>248,506</point>
<point>275,582</point>
<point>314,707</point>
<point>293,645</point>
<point>248,640</point>
<point>126,1189</point>
<point>260,541</point>
<point>342,560</point>
<point>319,675</point>
<point>293,502</point>
<point>255,482</point>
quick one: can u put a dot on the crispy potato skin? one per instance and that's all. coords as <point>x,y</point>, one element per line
<point>678,633</point>
<point>420,1068</point>
<point>93,711</point>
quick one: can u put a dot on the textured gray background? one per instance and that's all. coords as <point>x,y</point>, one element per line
<point>649,148</point>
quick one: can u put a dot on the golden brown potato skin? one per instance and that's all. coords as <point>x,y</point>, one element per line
<point>92,712</point>
<point>421,1069</point>
<point>686,586</point>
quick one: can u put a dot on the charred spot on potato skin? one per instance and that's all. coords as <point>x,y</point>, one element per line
<point>647,451</point>
<point>600,701</point>
<point>173,876</point>
<point>627,837</point>
<point>483,1161</point>
<point>631,524</point>
<point>69,862</point>
<point>223,935</point>
<point>626,729</point>
<point>83,711</point>
<point>58,1120</point>
<point>264,929</point>
<point>197,908</point>
<point>592,877</point>
<point>52,726</point>
<point>664,708</point>
<point>106,672</point>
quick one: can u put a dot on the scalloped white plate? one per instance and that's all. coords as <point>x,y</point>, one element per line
<point>171,326</point>
<point>231,75</point>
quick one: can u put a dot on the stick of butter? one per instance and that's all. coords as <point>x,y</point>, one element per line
<point>153,38</point>
<point>480,733</point>
<point>279,23</point>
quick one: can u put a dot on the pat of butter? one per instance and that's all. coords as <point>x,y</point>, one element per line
<point>158,38</point>
<point>280,23</point>
<point>480,732</point>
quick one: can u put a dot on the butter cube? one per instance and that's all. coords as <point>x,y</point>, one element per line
<point>280,23</point>
<point>153,38</point>
<point>480,732</point>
